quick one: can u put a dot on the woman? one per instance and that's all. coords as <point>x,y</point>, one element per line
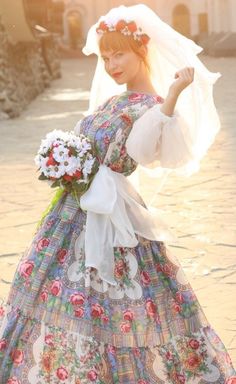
<point>98,297</point>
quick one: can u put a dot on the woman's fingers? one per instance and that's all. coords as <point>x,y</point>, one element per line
<point>186,71</point>
<point>186,74</point>
<point>184,77</point>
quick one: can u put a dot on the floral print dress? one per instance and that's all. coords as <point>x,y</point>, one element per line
<point>63,324</point>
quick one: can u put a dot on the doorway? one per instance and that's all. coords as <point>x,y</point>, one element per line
<point>74,28</point>
<point>181,20</point>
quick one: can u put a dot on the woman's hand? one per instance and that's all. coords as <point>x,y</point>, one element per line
<point>184,78</point>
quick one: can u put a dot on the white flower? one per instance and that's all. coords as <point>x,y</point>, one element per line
<point>56,171</point>
<point>71,164</point>
<point>84,142</point>
<point>41,161</point>
<point>44,147</point>
<point>59,144</point>
<point>87,166</point>
<point>46,171</point>
<point>57,135</point>
<point>37,160</point>
<point>60,153</point>
<point>73,142</point>
<point>85,147</point>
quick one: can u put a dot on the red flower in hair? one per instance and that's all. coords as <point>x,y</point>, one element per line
<point>132,26</point>
<point>124,27</point>
<point>144,38</point>
<point>120,25</point>
<point>103,26</point>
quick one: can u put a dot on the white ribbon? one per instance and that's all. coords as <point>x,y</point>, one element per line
<point>115,214</point>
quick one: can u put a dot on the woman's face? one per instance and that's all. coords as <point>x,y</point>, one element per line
<point>122,66</point>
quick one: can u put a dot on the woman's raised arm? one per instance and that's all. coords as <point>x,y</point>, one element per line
<point>184,78</point>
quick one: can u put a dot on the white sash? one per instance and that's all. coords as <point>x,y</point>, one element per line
<point>115,215</point>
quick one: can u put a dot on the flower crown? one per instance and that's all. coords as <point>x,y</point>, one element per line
<point>125,27</point>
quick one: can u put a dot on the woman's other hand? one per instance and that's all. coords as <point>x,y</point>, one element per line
<point>184,78</point>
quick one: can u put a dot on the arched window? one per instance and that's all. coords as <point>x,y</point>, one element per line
<point>181,19</point>
<point>74,23</point>
<point>73,20</point>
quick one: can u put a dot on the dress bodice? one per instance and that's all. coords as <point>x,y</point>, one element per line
<point>109,126</point>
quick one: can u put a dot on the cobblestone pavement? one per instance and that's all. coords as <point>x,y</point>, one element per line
<point>201,209</point>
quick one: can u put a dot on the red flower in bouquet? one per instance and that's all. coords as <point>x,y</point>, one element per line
<point>66,161</point>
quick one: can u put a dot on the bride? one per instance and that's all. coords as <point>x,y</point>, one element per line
<point>98,297</point>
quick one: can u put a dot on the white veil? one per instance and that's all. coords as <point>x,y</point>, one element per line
<point>168,52</point>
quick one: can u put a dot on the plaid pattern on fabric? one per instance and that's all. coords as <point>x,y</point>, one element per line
<point>63,324</point>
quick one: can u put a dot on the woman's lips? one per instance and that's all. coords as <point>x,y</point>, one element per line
<point>117,74</point>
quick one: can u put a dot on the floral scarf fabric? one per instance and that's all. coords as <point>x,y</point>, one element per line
<point>62,324</point>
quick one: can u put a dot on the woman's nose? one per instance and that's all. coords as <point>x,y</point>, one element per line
<point>111,65</point>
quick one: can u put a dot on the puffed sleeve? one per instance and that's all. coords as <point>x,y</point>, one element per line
<point>156,136</point>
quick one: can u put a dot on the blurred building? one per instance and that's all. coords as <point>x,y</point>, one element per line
<point>221,40</point>
<point>28,57</point>
<point>46,13</point>
<point>187,16</point>
<point>198,20</point>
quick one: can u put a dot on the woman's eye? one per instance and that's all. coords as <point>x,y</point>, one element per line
<point>119,54</point>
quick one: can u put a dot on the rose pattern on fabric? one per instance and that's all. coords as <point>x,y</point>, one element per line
<point>192,353</point>
<point>63,324</point>
<point>64,359</point>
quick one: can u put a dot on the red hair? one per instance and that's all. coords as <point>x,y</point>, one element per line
<point>117,41</point>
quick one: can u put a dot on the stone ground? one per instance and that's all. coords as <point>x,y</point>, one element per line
<point>201,209</point>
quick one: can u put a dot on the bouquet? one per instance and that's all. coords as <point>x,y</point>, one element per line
<point>66,161</point>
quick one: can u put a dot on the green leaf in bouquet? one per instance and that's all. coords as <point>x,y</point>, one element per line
<point>59,193</point>
<point>42,177</point>
<point>56,184</point>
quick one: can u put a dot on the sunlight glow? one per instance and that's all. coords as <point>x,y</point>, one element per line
<point>67,95</point>
<point>54,116</point>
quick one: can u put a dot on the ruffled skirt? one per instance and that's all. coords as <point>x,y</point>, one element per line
<point>62,324</point>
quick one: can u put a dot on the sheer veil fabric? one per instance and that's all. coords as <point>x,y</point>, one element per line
<point>158,142</point>
<point>168,52</point>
